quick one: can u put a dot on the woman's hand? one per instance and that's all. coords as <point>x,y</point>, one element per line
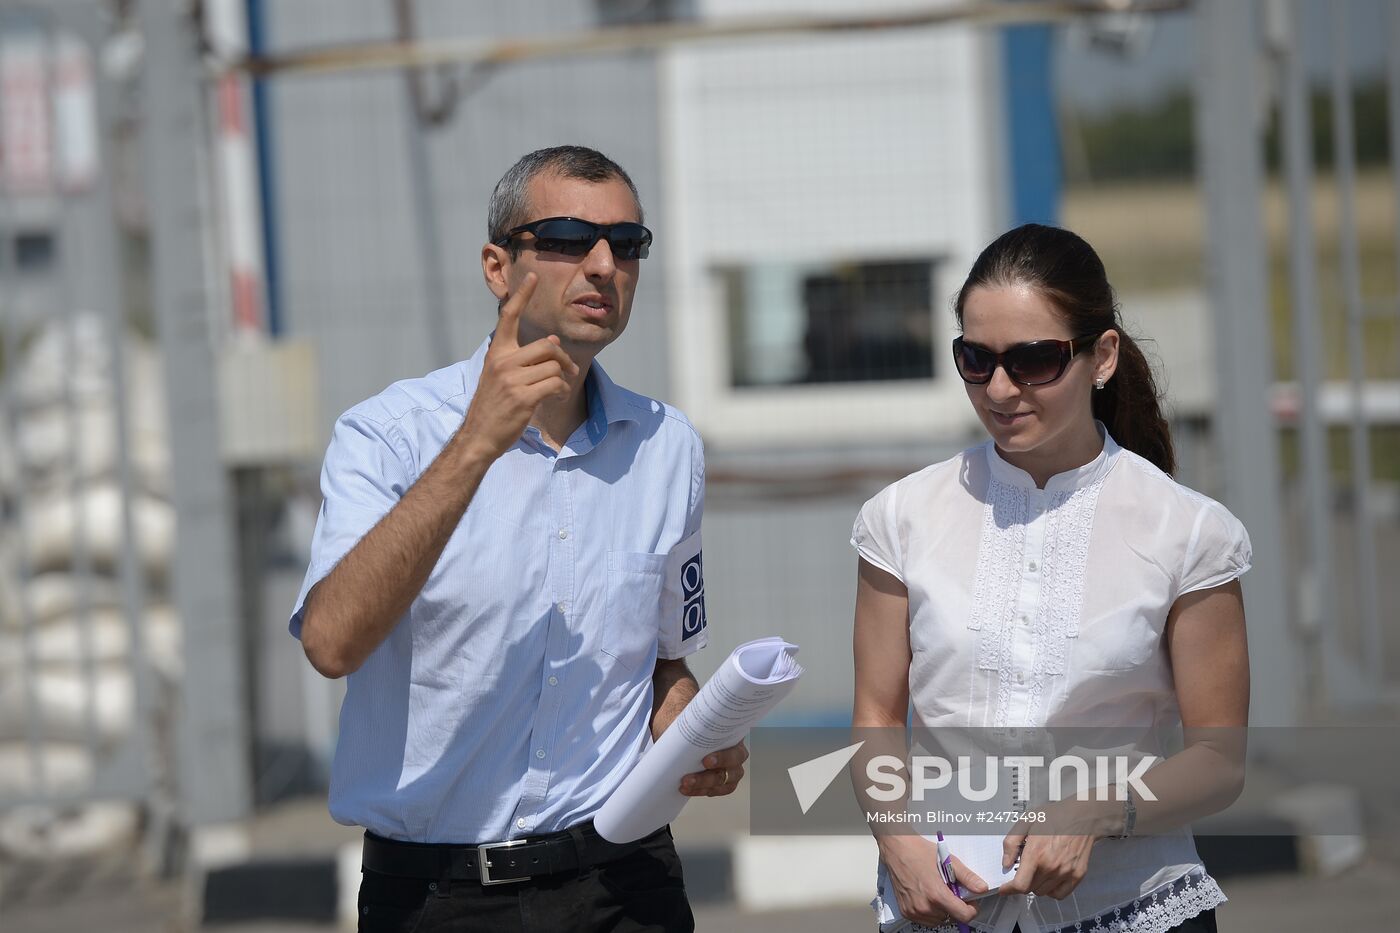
<point>1053,865</point>
<point>912,862</point>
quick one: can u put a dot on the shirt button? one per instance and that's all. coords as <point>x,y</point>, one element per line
<point>539,753</point>
<point>520,823</point>
<point>563,533</point>
<point>1032,566</point>
<point>1024,620</point>
<point>554,681</point>
<point>562,607</point>
<point>1020,679</point>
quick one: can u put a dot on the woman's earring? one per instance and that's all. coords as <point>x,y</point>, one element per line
<point>1099,382</point>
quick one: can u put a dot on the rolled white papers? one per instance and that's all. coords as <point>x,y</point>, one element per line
<point>750,682</point>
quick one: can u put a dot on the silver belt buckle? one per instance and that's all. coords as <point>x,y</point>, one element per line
<point>484,861</point>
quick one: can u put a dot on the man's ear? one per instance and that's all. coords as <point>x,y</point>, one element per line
<point>495,269</point>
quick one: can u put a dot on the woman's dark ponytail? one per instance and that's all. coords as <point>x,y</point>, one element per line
<point>1067,271</point>
<point>1131,407</point>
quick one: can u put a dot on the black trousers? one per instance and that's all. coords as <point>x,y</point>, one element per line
<point>643,892</point>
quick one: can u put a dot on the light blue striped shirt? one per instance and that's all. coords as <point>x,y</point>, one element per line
<point>516,692</point>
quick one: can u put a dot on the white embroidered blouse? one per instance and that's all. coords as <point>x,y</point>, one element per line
<point>1047,607</point>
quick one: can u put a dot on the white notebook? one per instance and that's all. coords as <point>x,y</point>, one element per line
<point>982,854</point>
<point>979,852</point>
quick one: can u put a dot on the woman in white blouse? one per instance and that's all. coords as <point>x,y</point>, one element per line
<point>1058,576</point>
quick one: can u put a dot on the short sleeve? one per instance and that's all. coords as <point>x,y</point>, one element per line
<point>684,626</point>
<point>875,535</point>
<point>697,487</point>
<point>1217,552</point>
<point>363,477</point>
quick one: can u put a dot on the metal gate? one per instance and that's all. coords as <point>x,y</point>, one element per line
<point>1343,610</point>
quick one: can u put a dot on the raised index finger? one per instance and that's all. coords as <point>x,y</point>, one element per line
<point>508,328</point>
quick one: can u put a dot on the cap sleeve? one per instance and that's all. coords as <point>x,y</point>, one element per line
<point>1218,550</point>
<point>875,535</point>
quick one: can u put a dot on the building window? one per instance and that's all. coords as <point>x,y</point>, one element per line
<point>809,323</point>
<point>632,12</point>
<point>34,251</point>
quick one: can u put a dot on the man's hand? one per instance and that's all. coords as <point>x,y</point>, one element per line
<point>515,379</point>
<point>350,613</point>
<point>674,686</point>
<point>724,771</point>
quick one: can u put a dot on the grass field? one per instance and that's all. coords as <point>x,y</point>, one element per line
<point>1152,239</point>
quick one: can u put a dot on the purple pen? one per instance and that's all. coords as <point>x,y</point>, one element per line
<point>945,868</point>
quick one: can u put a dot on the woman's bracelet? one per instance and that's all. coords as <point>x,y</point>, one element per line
<point>1129,813</point>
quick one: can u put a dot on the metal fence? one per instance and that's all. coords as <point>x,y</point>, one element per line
<point>374,182</point>
<point>720,114</point>
<point>1346,612</point>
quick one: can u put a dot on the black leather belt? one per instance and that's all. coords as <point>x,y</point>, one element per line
<point>576,848</point>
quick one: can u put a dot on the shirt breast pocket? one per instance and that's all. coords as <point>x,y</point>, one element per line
<point>635,584</point>
<point>1119,642</point>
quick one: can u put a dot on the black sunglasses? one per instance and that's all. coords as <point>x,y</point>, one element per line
<point>1031,364</point>
<point>570,236</point>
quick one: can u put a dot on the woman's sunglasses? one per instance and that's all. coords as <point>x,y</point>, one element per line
<point>1030,364</point>
<point>570,236</point>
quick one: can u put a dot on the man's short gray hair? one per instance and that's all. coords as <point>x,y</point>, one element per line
<point>510,201</point>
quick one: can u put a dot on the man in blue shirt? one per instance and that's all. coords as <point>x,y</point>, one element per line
<point>507,567</point>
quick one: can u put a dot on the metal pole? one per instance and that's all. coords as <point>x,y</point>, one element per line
<point>34,720</point>
<point>70,265</point>
<point>1392,70</point>
<point>1316,584</point>
<point>420,170</point>
<point>1344,147</point>
<point>11,334</point>
<point>105,285</point>
<point>1228,134</point>
<point>623,39</point>
<point>215,775</point>
<point>266,169</point>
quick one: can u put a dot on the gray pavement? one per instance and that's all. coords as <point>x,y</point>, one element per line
<point>1365,898</point>
<point>109,894</point>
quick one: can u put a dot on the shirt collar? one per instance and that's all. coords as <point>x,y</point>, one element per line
<point>1078,478</point>
<point>607,404</point>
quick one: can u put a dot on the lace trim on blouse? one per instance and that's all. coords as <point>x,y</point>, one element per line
<point>1065,567</point>
<point>1157,912</point>
<point>998,582</point>
<point>997,586</point>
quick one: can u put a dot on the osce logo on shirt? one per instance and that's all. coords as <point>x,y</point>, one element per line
<point>692,597</point>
